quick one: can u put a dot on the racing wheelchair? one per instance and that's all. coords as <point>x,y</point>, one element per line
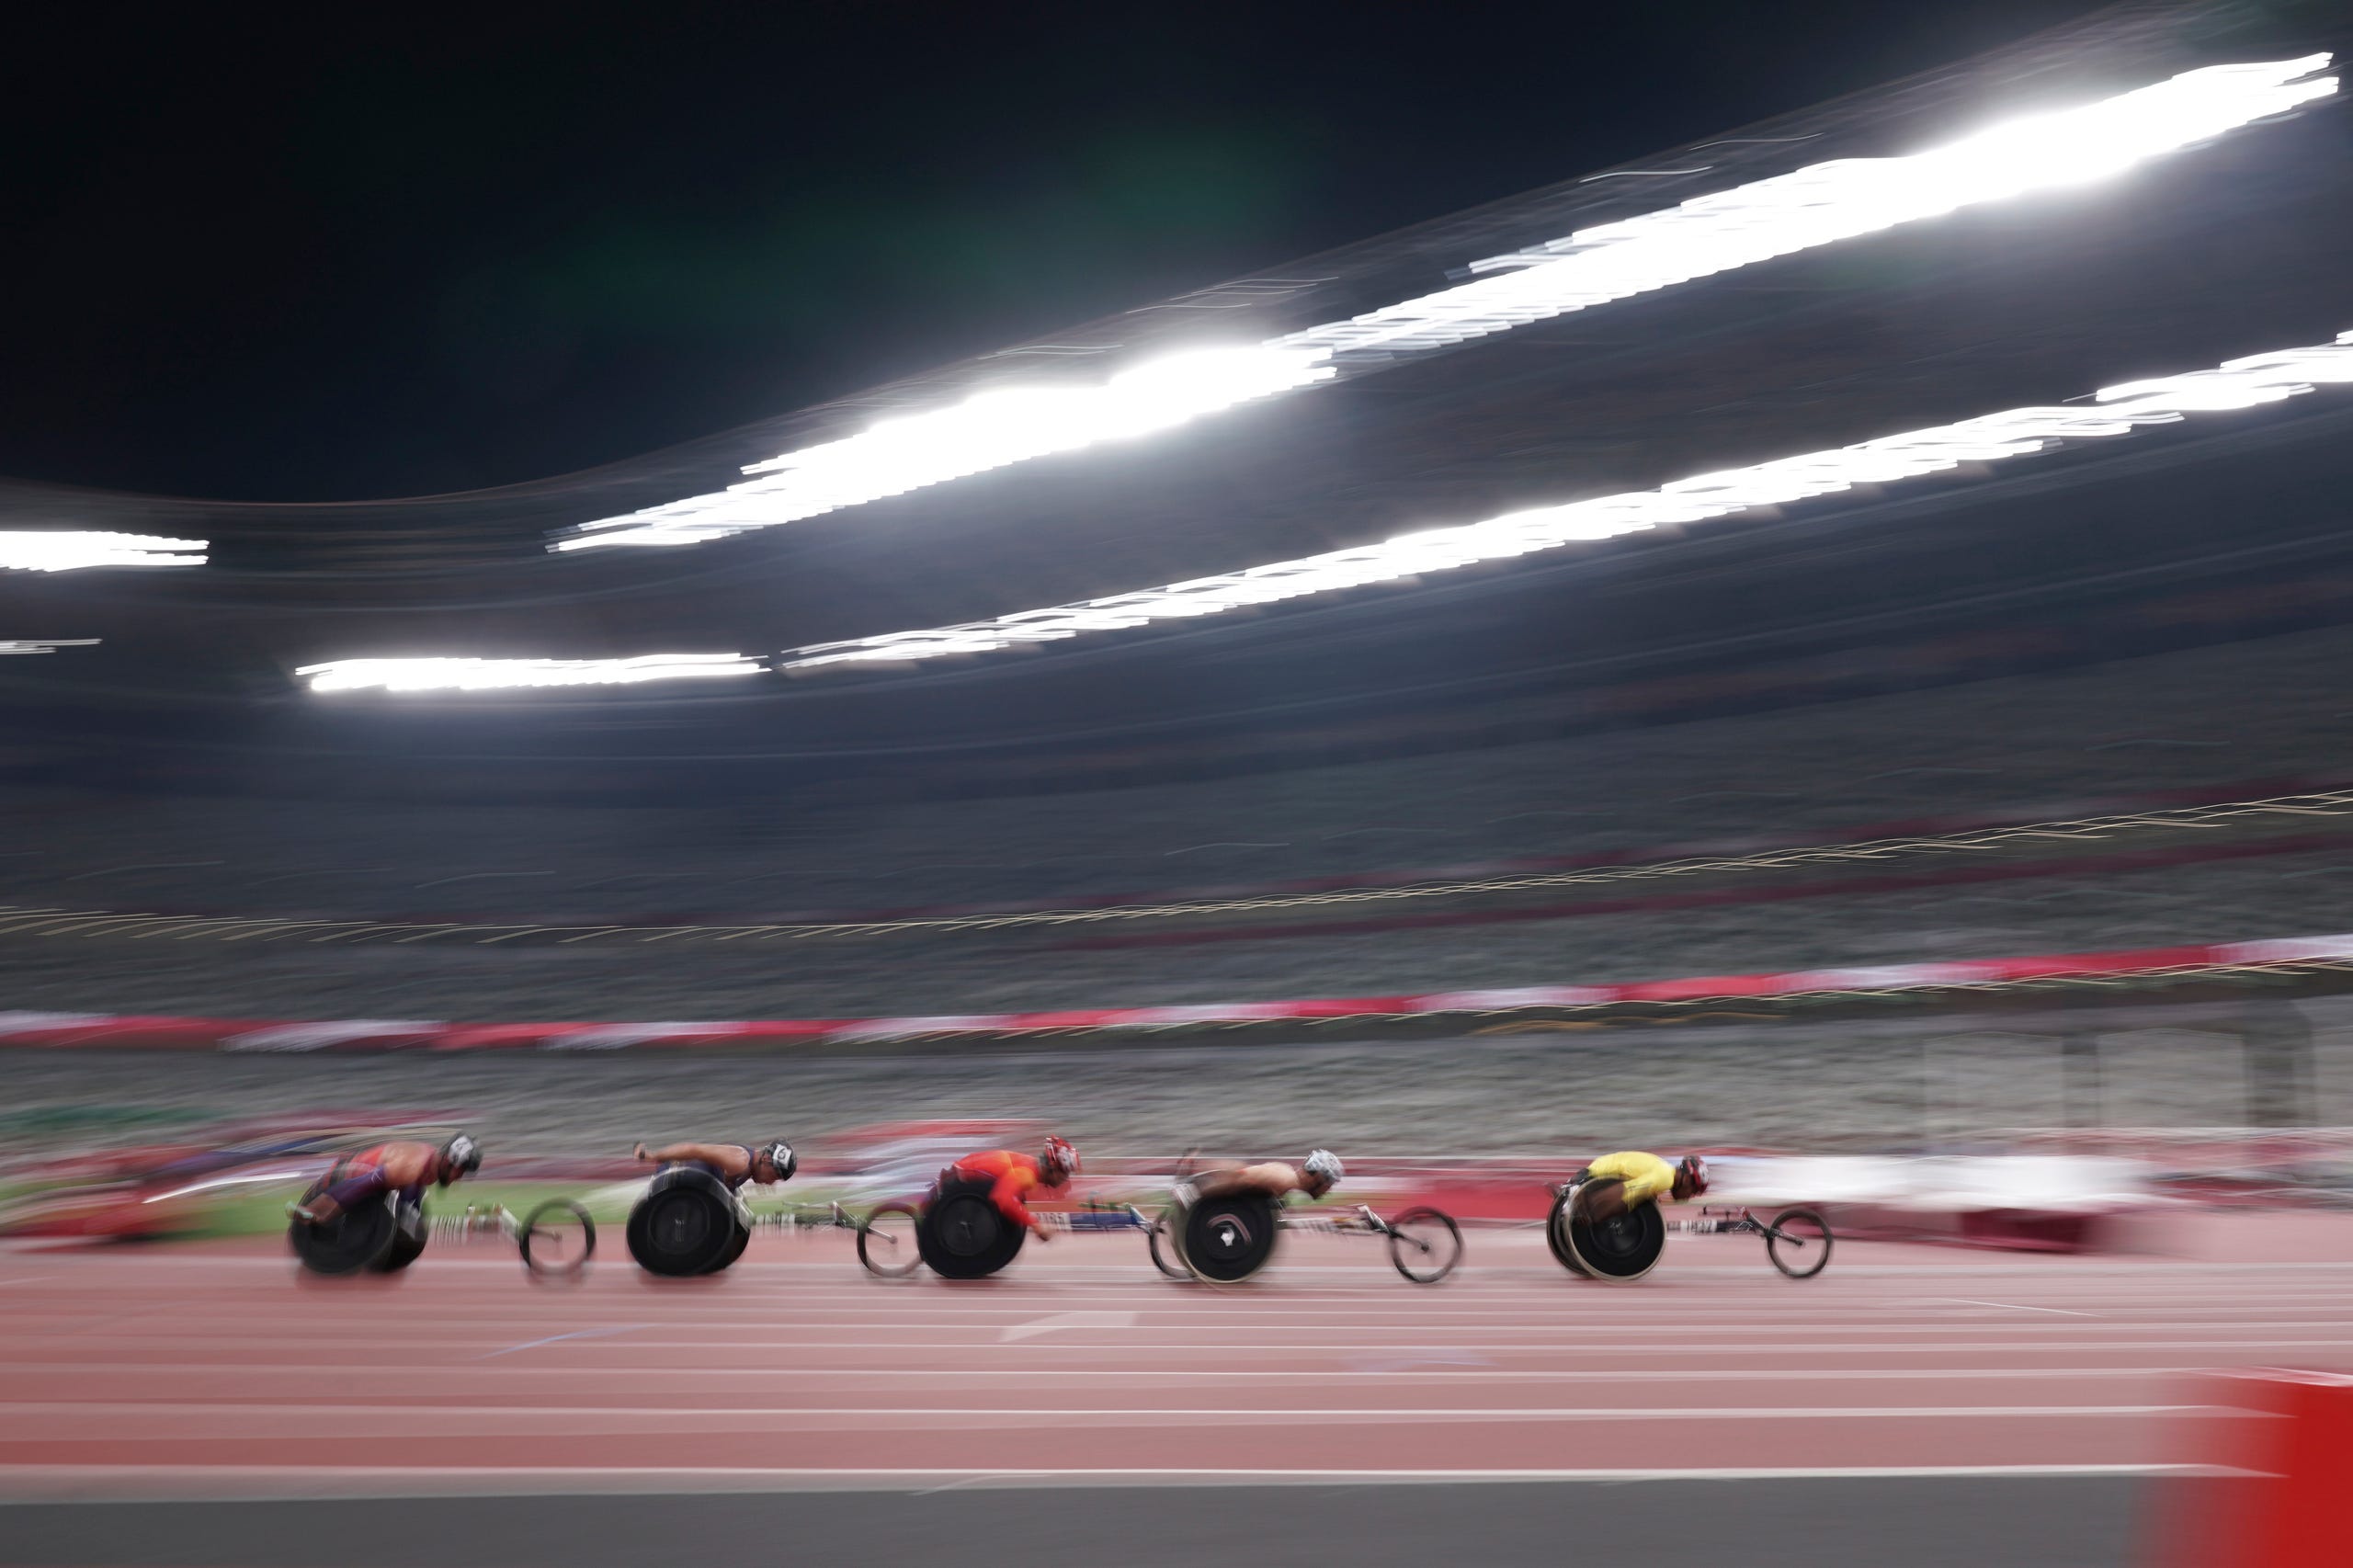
<point>1628,1245</point>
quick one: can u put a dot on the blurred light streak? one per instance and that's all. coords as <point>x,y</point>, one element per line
<point>15,646</point>
<point>2116,411</point>
<point>500,674</point>
<point>229,1181</point>
<point>987,430</point>
<point>1804,209</point>
<point>35,550</point>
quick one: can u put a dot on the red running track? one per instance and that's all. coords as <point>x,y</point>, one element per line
<point>217,1371</point>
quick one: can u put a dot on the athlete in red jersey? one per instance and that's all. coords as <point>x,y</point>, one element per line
<point>1009,1175</point>
<point>404,1168</point>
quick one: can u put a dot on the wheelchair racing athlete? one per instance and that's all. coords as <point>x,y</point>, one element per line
<point>1315,1177</point>
<point>405,1167</point>
<point>1615,1183</point>
<point>1004,1177</point>
<point>734,1164</point>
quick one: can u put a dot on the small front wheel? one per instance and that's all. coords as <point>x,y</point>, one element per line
<point>1424,1245</point>
<point>1797,1241</point>
<point>557,1239</point>
<point>1162,1240</point>
<point>886,1242</point>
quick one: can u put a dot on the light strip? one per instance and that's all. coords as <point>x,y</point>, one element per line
<point>228,1181</point>
<point>15,646</point>
<point>988,430</point>
<point>1802,211</point>
<point>498,675</point>
<point>2117,411</point>
<point>76,551</point>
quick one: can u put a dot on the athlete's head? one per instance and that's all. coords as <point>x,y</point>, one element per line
<point>461,1156</point>
<point>1690,1176</point>
<point>1323,1171</point>
<point>1057,1162</point>
<point>774,1162</point>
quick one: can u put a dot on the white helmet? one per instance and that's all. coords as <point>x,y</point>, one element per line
<point>1324,1166</point>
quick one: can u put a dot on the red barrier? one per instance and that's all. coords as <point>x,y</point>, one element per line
<point>2285,1451</point>
<point>99,1031</point>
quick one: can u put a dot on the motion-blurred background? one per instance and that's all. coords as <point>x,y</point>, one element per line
<point>1975,804</point>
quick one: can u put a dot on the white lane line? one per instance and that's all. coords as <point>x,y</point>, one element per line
<point>1153,1347</point>
<point>345,1375</point>
<point>1137,1329</point>
<point>2015,1307</point>
<point>489,1414</point>
<point>559,1338</point>
<point>1663,1312</point>
<point>52,1483</point>
<point>1059,1321</point>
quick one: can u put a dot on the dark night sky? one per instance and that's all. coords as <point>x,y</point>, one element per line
<point>342,251</point>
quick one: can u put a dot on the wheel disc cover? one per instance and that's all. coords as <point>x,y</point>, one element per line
<point>681,1224</point>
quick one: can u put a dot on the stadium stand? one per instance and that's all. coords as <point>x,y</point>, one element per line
<point>2141,740</point>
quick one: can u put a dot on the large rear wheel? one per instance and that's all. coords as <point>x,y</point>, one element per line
<point>1167,1253</point>
<point>409,1235</point>
<point>1620,1249</point>
<point>686,1223</point>
<point>1556,1235</point>
<point>356,1239</point>
<point>964,1236</point>
<point>1227,1239</point>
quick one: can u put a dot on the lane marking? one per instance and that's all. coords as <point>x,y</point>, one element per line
<point>106,1482</point>
<point>1437,1357</point>
<point>2015,1307</point>
<point>1030,1329</point>
<point>1492,1347</point>
<point>1123,1413</point>
<point>559,1338</point>
<point>409,1376</point>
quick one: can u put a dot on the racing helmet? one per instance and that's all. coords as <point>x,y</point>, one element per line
<point>1058,1156</point>
<point>780,1155</point>
<point>1695,1170</point>
<point>1324,1166</point>
<point>461,1156</point>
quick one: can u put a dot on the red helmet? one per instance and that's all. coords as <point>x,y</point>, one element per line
<point>1695,1170</point>
<point>1058,1155</point>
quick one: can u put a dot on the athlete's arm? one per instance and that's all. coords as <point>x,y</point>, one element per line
<point>1651,1187</point>
<point>1007,1195</point>
<point>1615,1183</point>
<point>372,1180</point>
<point>1274,1178</point>
<point>720,1156</point>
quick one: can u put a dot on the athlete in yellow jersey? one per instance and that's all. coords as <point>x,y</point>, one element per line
<point>1615,1183</point>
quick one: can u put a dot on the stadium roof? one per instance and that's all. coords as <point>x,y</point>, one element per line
<point>2227,249</point>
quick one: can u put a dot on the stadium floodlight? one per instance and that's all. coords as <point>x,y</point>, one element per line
<point>1804,209</point>
<point>987,430</point>
<point>68,551</point>
<point>2115,411</point>
<point>498,675</point>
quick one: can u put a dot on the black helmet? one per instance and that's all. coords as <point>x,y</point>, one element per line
<point>780,1155</point>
